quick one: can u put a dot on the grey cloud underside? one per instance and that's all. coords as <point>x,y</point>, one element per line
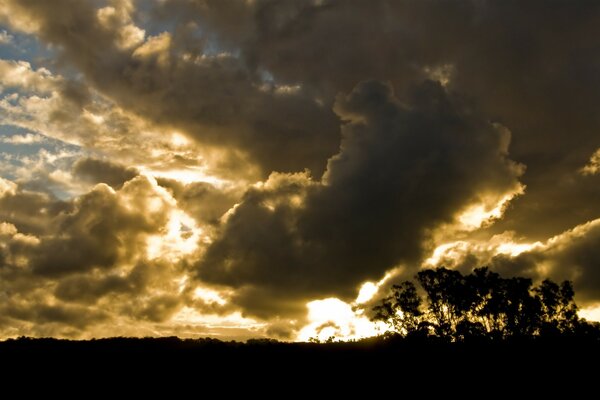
<point>94,171</point>
<point>401,172</point>
<point>24,210</point>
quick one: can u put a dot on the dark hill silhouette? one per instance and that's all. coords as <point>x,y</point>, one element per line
<point>381,362</point>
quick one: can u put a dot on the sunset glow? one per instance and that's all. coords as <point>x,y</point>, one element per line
<point>277,169</point>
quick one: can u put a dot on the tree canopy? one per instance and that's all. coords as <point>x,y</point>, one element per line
<point>482,304</point>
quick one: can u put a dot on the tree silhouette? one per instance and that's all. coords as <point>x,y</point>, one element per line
<point>401,310</point>
<point>481,304</point>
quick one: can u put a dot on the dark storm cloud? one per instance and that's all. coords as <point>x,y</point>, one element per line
<point>64,314</point>
<point>94,171</point>
<point>402,170</point>
<point>533,66</point>
<point>81,288</point>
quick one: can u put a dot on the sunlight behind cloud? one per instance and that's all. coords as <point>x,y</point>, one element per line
<point>444,250</point>
<point>190,316</point>
<point>94,118</point>
<point>209,295</point>
<point>514,249</point>
<point>180,238</point>
<point>591,313</point>
<point>448,254</point>
<point>486,211</point>
<point>187,175</point>
<point>366,292</point>
<point>333,317</point>
<point>179,140</point>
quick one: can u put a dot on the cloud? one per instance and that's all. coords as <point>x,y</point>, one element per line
<point>69,268</point>
<point>30,212</point>
<point>402,171</point>
<point>72,121</point>
<point>28,138</point>
<point>66,315</point>
<point>6,38</point>
<point>95,171</point>
<point>235,108</point>
<point>102,229</point>
<point>162,77</point>
<point>539,80</point>
<point>571,255</point>
<point>203,201</point>
<point>19,74</point>
<point>593,165</point>
<point>6,187</point>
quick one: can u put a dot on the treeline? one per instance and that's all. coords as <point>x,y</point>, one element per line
<point>262,364</point>
<point>481,305</point>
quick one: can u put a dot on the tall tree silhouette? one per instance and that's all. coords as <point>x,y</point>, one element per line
<point>481,304</point>
<point>401,310</point>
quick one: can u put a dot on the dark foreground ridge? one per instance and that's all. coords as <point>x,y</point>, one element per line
<point>380,366</point>
<point>387,354</point>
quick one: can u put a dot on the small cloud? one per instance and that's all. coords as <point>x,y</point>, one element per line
<point>440,73</point>
<point>95,171</point>
<point>6,38</point>
<point>29,138</point>
<point>593,165</point>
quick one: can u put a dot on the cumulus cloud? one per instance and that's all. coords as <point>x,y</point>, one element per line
<point>19,74</point>
<point>72,268</point>
<point>101,171</point>
<point>80,251</point>
<point>203,201</point>
<point>402,171</point>
<point>539,80</point>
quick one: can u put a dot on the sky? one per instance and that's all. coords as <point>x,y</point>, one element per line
<point>261,168</point>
